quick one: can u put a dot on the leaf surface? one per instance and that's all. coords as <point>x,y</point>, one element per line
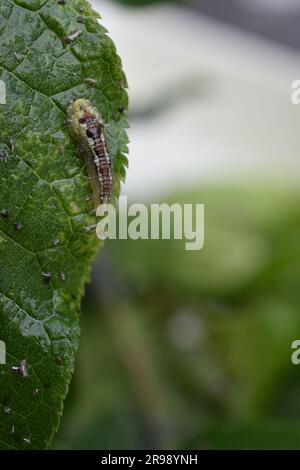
<point>45,202</point>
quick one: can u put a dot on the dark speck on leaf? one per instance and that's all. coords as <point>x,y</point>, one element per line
<point>47,278</point>
<point>3,157</point>
<point>4,213</point>
<point>18,227</point>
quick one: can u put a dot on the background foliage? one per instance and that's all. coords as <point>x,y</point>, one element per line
<point>192,349</point>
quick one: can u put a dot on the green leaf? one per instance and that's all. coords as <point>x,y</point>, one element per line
<point>45,207</point>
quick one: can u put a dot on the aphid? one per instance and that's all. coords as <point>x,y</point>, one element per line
<point>27,440</point>
<point>35,392</point>
<point>90,81</point>
<point>4,213</point>
<point>56,241</point>
<point>18,227</point>
<point>86,124</point>
<point>12,144</point>
<point>3,157</point>
<point>61,150</point>
<point>62,276</point>
<point>18,56</point>
<point>12,431</point>
<point>24,368</point>
<point>47,278</point>
<point>7,410</point>
<point>72,37</point>
<point>89,228</point>
<point>59,360</point>
<point>80,19</point>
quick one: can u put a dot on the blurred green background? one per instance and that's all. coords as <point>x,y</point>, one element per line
<point>192,350</point>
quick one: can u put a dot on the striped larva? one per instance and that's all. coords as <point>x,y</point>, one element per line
<point>86,125</point>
